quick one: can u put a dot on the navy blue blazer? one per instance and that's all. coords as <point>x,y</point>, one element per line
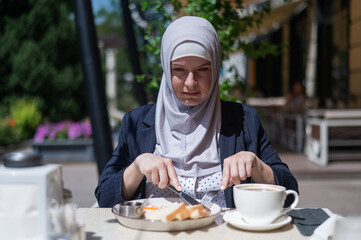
<point>241,131</point>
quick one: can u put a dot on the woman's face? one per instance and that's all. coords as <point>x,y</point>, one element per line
<point>191,79</point>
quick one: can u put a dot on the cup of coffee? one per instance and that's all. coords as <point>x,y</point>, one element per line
<point>262,203</point>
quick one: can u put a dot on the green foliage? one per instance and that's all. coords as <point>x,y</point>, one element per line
<point>8,133</point>
<point>22,121</point>
<point>235,89</point>
<point>39,58</point>
<point>229,24</point>
<point>108,20</point>
<point>27,117</point>
<point>262,50</point>
<point>159,17</point>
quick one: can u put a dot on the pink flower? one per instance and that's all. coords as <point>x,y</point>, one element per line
<point>74,130</point>
<point>41,133</point>
<point>71,130</point>
<point>87,129</point>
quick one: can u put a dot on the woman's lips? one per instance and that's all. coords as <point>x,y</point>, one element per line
<point>191,93</point>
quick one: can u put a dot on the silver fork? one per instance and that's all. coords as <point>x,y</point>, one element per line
<point>208,197</point>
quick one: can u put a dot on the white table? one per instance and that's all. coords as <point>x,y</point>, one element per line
<point>100,223</point>
<point>317,132</point>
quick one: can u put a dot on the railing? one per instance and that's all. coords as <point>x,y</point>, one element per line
<point>284,127</point>
<point>293,130</point>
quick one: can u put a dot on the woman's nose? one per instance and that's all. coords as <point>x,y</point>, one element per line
<point>190,81</point>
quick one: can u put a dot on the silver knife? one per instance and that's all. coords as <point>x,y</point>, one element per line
<point>186,197</point>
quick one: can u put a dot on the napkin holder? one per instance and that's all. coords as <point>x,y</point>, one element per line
<point>27,187</point>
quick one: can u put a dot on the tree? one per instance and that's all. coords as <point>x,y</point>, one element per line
<point>39,58</point>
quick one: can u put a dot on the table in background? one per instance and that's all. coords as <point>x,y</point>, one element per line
<point>333,135</point>
<point>100,223</point>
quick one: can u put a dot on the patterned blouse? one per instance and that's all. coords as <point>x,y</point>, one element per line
<point>196,187</point>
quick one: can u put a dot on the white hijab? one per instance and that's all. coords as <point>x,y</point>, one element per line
<point>189,134</point>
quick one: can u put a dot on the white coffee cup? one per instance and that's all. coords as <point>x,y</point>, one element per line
<point>262,203</point>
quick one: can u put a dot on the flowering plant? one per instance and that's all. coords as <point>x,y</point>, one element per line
<point>8,132</point>
<point>63,130</point>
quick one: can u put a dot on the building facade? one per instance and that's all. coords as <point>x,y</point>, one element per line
<point>323,39</point>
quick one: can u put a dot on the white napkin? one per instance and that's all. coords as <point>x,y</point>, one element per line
<point>348,228</point>
<point>326,229</point>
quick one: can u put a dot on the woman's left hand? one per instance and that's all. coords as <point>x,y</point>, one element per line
<point>245,164</point>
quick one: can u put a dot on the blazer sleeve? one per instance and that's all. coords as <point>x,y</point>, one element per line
<point>109,190</point>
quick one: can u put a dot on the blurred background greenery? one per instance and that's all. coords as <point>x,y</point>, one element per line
<point>40,68</point>
<point>39,58</point>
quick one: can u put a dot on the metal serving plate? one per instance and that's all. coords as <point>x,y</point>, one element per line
<point>156,225</point>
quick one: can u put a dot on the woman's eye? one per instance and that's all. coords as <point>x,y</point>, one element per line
<point>178,69</point>
<point>204,69</point>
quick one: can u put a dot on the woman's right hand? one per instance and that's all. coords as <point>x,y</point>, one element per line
<point>158,170</point>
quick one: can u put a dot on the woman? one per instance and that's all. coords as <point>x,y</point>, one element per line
<point>190,138</point>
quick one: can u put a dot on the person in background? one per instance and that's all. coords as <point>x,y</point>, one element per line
<point>190,138</point>
<point>296,100</point>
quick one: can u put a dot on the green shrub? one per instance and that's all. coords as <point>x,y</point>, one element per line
<point>40,57</point>
<point>8,133</point>
<point>27,117</point>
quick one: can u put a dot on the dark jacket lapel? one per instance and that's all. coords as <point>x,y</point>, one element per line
<point>147,131</point>
<point>231,139</point>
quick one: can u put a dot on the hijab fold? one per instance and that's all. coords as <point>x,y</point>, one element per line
<point>189,134</point>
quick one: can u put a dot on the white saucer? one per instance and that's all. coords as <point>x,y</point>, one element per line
<point>233,217</point>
